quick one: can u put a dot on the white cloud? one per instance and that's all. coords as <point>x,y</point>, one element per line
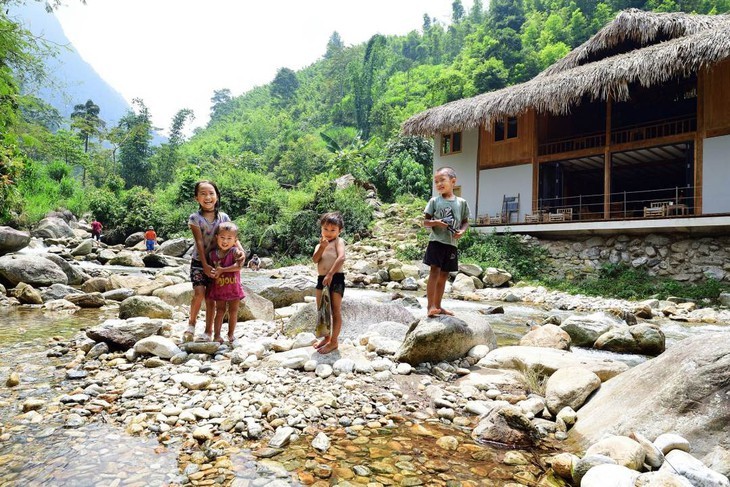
<point>174,53</point>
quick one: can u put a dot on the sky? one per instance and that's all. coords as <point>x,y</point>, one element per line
<point>174,53</point>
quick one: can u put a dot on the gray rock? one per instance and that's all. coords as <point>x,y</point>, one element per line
<point>358,314</point>
<point>194,382</point>
<point>622,449</point>
<point>321,442</point>
<point>127,259</point>
<point>548,360</point>
<point>97,350</point>
<point>255,307</point>
<point>57,291</point>
<point>148,306</point>
<point>158,260</point>
<point>176,295</point>
<point>693,470</point>
<point>157,345</point>
<point>289,291</point>
<point>569,386</point>
<point>547,335</point>
<point>494,277</point>
<point>90,300</point>
<point>661,479</point>
<point>584,330</point>
<point>472,270</point>
<point>582,466</point>
<point>134,239</point>
<point>208,348</point>
<point>12,240</point>
<point>176,247</point>
<point>609,476</point>
<point>282,437</point>
<point>53,227</point>
<point>84,248</point>
<point>74,273</point>
<point>30,270</point>
<point>507,425</point>
<point>96,284</point>
<point>118,294</point>
<point>694,374</point>
<point>667,442</point>
<point>718,460</point>
<point>124,333</point>
<point>26,294</point>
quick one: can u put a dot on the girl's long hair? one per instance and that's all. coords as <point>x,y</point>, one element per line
<point>217,206</point>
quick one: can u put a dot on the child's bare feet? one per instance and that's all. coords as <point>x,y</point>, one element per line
<point>445,312</point>
<point>330,347</point>
<point>324,341</point>
<point>433,312</point>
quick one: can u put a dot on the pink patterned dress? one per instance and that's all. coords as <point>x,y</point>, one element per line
<point>226,287</point>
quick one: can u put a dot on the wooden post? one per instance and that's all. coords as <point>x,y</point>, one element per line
<point>535,164</point>
<point>607,164</point>
<point>700,135</point>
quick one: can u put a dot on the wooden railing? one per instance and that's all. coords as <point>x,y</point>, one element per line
<point>666,128</point>
<point>622,135</point>
<point>588,141</point>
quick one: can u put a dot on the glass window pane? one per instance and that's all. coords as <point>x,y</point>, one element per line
<point>511,128</point>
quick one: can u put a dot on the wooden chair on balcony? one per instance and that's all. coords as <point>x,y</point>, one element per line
<point>510,206</point>
<point>533,218</point>
<point>561,215</point>
<point>656,209</point>
<point>497,219</point>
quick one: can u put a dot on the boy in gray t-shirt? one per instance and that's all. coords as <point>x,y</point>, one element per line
<point>447,215</point>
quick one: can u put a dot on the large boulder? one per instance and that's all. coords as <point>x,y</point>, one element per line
<point>125,333</point>
<point>159,260</point>
<point>584,330</point>
<point>26,294</point>
<point>175,247</point>
<point>134,239</point>
<point>547,360</point>
<point>84,300</point>
<point>507,425</point>
<point>684,390</point>
<point>12,240</point>
<point>74,272</point>
<point>569,386</point>
<point>176,295</point>
<point>127,259</point>
<point>357,316</point>
<point>255,307</point>
<point>53,227</point>
<point>84,248</point>
<point>148,306</point>
<point>548,335</point>
<point>289,291</point>
<point>58,291</point>
<point>30,270</point>
<point>644,339</point>
<point>443,338</point>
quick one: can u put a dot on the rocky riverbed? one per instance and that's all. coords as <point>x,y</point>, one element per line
<point>405,400</point>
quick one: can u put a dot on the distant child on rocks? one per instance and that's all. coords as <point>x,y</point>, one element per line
<point>203,224</point>
<point>150,239</point>
<point>255,263</point>
<point>226,289</point>
<point>329,255</point>
<point>447,215</point>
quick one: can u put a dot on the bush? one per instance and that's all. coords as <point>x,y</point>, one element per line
<point>58,170</point>
<point>106,207</point>
<point>625,282</point>
<point>506,251</point>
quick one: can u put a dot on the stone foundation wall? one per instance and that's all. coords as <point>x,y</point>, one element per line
<point>680,257</point>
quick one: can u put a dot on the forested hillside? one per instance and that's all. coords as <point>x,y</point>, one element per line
<point>274,149</point>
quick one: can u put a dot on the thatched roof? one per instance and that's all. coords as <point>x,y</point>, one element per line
<point>695,42</point>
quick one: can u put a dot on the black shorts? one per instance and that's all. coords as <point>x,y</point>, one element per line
<point>336,286</point>
<point>441,255</point>
<point>197,276</point>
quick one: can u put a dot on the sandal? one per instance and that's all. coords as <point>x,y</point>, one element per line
<point>189,334</point>
<point>203,337</point>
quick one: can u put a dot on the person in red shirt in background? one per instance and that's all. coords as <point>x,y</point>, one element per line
<point>150,238</point>
<point>96,229</point>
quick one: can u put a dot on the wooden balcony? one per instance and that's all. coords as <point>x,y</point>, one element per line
<point>635,134</point>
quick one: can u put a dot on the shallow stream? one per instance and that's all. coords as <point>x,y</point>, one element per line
<point>38,451</point>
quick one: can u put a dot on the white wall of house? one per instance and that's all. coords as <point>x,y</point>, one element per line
<point>716,175</point>
<point>464,163</point>
<point>494,184</point>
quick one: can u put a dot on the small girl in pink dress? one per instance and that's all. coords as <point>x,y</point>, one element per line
<point>226,287</point>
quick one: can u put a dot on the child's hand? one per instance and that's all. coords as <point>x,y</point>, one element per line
<point>441,223</point>
<point>327,280</point>
<point>208,270</point>
<point>458,234</point>
<point>240,259</point>
<point>323,240</point>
